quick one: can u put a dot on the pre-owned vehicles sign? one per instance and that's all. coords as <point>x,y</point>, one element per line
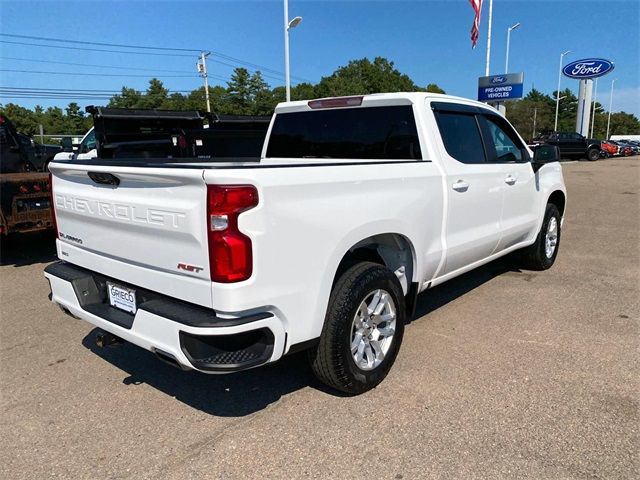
<point>497,88</point>
<point>588,68</point>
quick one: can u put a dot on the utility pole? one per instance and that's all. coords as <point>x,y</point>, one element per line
<point>202,70</point>
<point>535,115</point>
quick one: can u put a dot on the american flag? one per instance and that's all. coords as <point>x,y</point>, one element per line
<point>477,7</point>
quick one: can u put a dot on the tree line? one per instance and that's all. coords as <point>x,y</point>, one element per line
<point>535,113</point>
<point>249,94</point>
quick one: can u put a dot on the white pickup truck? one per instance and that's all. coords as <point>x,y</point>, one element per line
<point>355,205</point>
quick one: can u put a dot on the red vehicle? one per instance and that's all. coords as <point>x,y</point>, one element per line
<point>609,148</point>
<point>624,149</point>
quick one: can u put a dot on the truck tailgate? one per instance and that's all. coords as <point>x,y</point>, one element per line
<point>150,228</point>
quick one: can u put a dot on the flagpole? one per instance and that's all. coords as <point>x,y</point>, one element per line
<point>486,70</point>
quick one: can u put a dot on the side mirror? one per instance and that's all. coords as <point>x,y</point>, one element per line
<point>544,154</point>
<point>67,144</point>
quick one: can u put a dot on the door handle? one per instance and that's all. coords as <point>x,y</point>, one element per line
<point>510,180</point>
<point>460,186</point>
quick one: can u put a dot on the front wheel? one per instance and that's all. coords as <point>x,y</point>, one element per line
<point>363,329</point>
<point>542,254</point>
<point>593,154</point>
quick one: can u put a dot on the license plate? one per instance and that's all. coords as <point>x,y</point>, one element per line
<point>122,298</point>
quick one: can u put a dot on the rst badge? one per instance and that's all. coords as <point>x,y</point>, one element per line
<point>189,268</point>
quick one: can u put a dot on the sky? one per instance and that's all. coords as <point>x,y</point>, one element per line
<point>428,40</point>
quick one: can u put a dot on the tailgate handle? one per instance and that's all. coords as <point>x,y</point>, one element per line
<point>104,178</point>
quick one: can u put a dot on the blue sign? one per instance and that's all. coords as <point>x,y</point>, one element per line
<point>588,68</point>
<point>498,88</point>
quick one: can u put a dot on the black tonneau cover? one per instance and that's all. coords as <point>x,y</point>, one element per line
<point>139,133</point>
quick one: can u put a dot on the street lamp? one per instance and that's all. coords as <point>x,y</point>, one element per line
<point>506,62</point>
<point>593,114</point>
<point>555,127</point>
<point>288,24</point>
<point>610,107</point>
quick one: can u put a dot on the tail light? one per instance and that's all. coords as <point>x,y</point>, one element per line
<point>230,251</point>
<point>23,189</point>
<point>52,205</point>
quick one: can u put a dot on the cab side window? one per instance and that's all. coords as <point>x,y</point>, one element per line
<point>461,136</point>
<point>503,145</point>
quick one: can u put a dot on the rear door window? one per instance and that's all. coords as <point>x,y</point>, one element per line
<point>461,136</point>
<point>358,133</point>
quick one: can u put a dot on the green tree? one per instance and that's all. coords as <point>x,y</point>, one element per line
<point>434,88</point>
<point>25,120</point>
<point>74,119</point>
<point>623,123</point>
<point>239,88</point>
<point>533,114</point>
<point>155,96</point>
<point>301,91</point>
<point>363,76</point>
<point>128,98</point>
<point>568,110</point>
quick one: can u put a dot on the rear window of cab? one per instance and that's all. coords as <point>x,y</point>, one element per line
<point>374,133</point>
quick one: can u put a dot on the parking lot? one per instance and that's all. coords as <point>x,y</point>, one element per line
<point>505,374</point>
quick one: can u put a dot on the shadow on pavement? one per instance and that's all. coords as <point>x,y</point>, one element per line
<point>227,395</point>
<point>444,293</point>
<point>22,249</point>
<point>243,393</point>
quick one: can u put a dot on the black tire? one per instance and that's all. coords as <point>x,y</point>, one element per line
<point>331,360</point>
<point>593,154</point>
<point>534,257</point>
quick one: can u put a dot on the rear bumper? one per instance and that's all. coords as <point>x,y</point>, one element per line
<point>194,337</point>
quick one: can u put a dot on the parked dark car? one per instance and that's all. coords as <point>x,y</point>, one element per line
<point>38,155</point>
<point>628,146</point>
<point>572,145</point>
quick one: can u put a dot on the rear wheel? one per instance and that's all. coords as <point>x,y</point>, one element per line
<point>593,154</point>
<point>542,254</point>
<point>363,329</point>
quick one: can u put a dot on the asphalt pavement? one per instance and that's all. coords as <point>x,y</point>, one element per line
<point>505,374</point>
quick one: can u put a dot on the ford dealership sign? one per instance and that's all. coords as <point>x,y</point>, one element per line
<point>588,68</point>
<point>497,88</point>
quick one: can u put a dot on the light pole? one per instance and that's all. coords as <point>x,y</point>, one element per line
<point>555,127</point>
<point>486,66</point>
<point>593,115</point>
<point>610,107</point>
<point>506,62</point>
<point>288,24</point>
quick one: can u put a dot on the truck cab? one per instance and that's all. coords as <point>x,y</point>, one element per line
<point>86,149</point>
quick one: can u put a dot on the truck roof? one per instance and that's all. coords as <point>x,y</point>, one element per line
<point>374,99</point>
